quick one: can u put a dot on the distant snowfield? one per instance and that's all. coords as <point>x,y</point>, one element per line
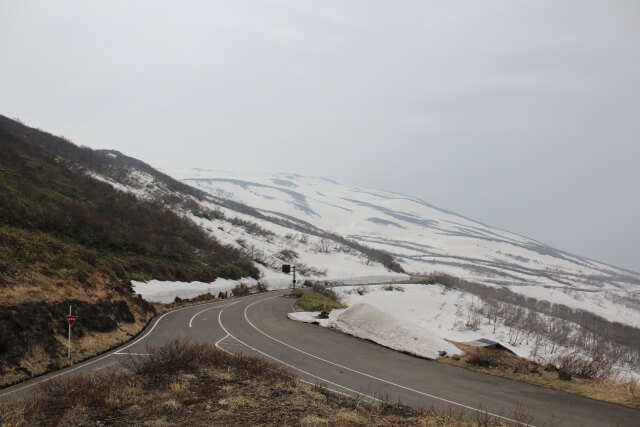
<point>423,239</point>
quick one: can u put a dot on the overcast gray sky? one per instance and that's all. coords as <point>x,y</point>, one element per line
<point>524,115</point>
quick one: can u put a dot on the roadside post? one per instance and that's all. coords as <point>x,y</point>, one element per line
<point>71,320</point>
<point>286,268</point>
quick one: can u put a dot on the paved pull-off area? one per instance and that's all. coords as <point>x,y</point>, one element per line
<point>257,325</point>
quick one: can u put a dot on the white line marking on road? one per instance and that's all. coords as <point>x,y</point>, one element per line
<point>287,364</point>
<point>19,387</point>
<point>131,354</point>
<point>367,375</point>
<point>220,340</point>
<point>207,309</point>
<point>373,399</point>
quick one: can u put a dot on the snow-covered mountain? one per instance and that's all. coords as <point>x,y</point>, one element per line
<point>424,239</point>
<point>539,300</point>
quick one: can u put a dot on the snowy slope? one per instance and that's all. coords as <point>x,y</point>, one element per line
<point>267,243</point>
<point>425,239</point>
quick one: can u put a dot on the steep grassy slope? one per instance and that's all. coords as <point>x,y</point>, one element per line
<point>66,238</point>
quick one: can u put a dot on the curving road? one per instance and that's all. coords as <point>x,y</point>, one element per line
<point>257,325</point>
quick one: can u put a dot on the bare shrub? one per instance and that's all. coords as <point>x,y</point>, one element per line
<point>323,245</point>
<point>361,290</point>
<point>597,367</point>
<point>487,357</point>
<point>288,255</point>
<point>171,358</point>
<point>327,292</point>
<point>307,270</point>
<point>241,290</point>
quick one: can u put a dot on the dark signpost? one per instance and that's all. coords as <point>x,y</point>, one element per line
<point>286,268</point>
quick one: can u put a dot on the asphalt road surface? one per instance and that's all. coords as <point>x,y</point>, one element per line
<point>257,325</point>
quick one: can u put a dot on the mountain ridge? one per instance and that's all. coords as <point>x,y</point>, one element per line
<point>426,239</point>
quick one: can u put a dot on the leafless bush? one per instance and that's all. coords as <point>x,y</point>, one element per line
<point>241,290</point>
<point>251,227</point>
<point>288,255</point>
<point>597,367</point>
<point>328,292</point>
<point>360,290</point>
<point>474,316</point>
<point>487,357</point>
<point>171,358</point>
<point>323,245</point>
<point>306,270</point>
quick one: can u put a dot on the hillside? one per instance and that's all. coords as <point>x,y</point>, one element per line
<point>80,226</point>
<point>424,239</point>
<point>67,238</point>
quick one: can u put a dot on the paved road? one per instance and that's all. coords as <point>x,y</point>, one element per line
<point>257,325</point>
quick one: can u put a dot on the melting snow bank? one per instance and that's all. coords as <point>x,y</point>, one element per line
<point>367,322</point>
<point>166,292</point>
<point>419,319</point>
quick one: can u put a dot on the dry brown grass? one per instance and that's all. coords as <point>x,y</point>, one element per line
<point>30,286</point>
<point>205,386</point>
<point>504,364</point>
<point>36,288</point>
<point>37,361</point>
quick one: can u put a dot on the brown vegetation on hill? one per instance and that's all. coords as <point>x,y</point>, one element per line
<point>571,374</point>
<point>69,239</point>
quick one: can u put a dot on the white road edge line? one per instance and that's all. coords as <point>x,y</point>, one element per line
<point>207,309</point>
<point>217,344</point>
<point>287,364</point>
<point>131,354</point>
<point>374,399</point>
<point>11,390</point>
<point>82,365</point>
<point>371,376</point>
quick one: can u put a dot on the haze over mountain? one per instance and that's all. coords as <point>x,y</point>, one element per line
<point>424,239</point>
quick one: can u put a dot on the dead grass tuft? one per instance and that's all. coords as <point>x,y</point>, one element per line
<point>201,385</point>
<point>589,377</point>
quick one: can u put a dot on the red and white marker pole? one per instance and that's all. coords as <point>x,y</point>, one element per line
<point>71,320</point>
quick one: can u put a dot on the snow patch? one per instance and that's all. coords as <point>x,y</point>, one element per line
<point>368,322</point>
<point>167,291</point>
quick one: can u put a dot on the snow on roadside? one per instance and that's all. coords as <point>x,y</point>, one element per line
<point>418,319</point>
<point>368,322</point>
<point>167,291</point>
